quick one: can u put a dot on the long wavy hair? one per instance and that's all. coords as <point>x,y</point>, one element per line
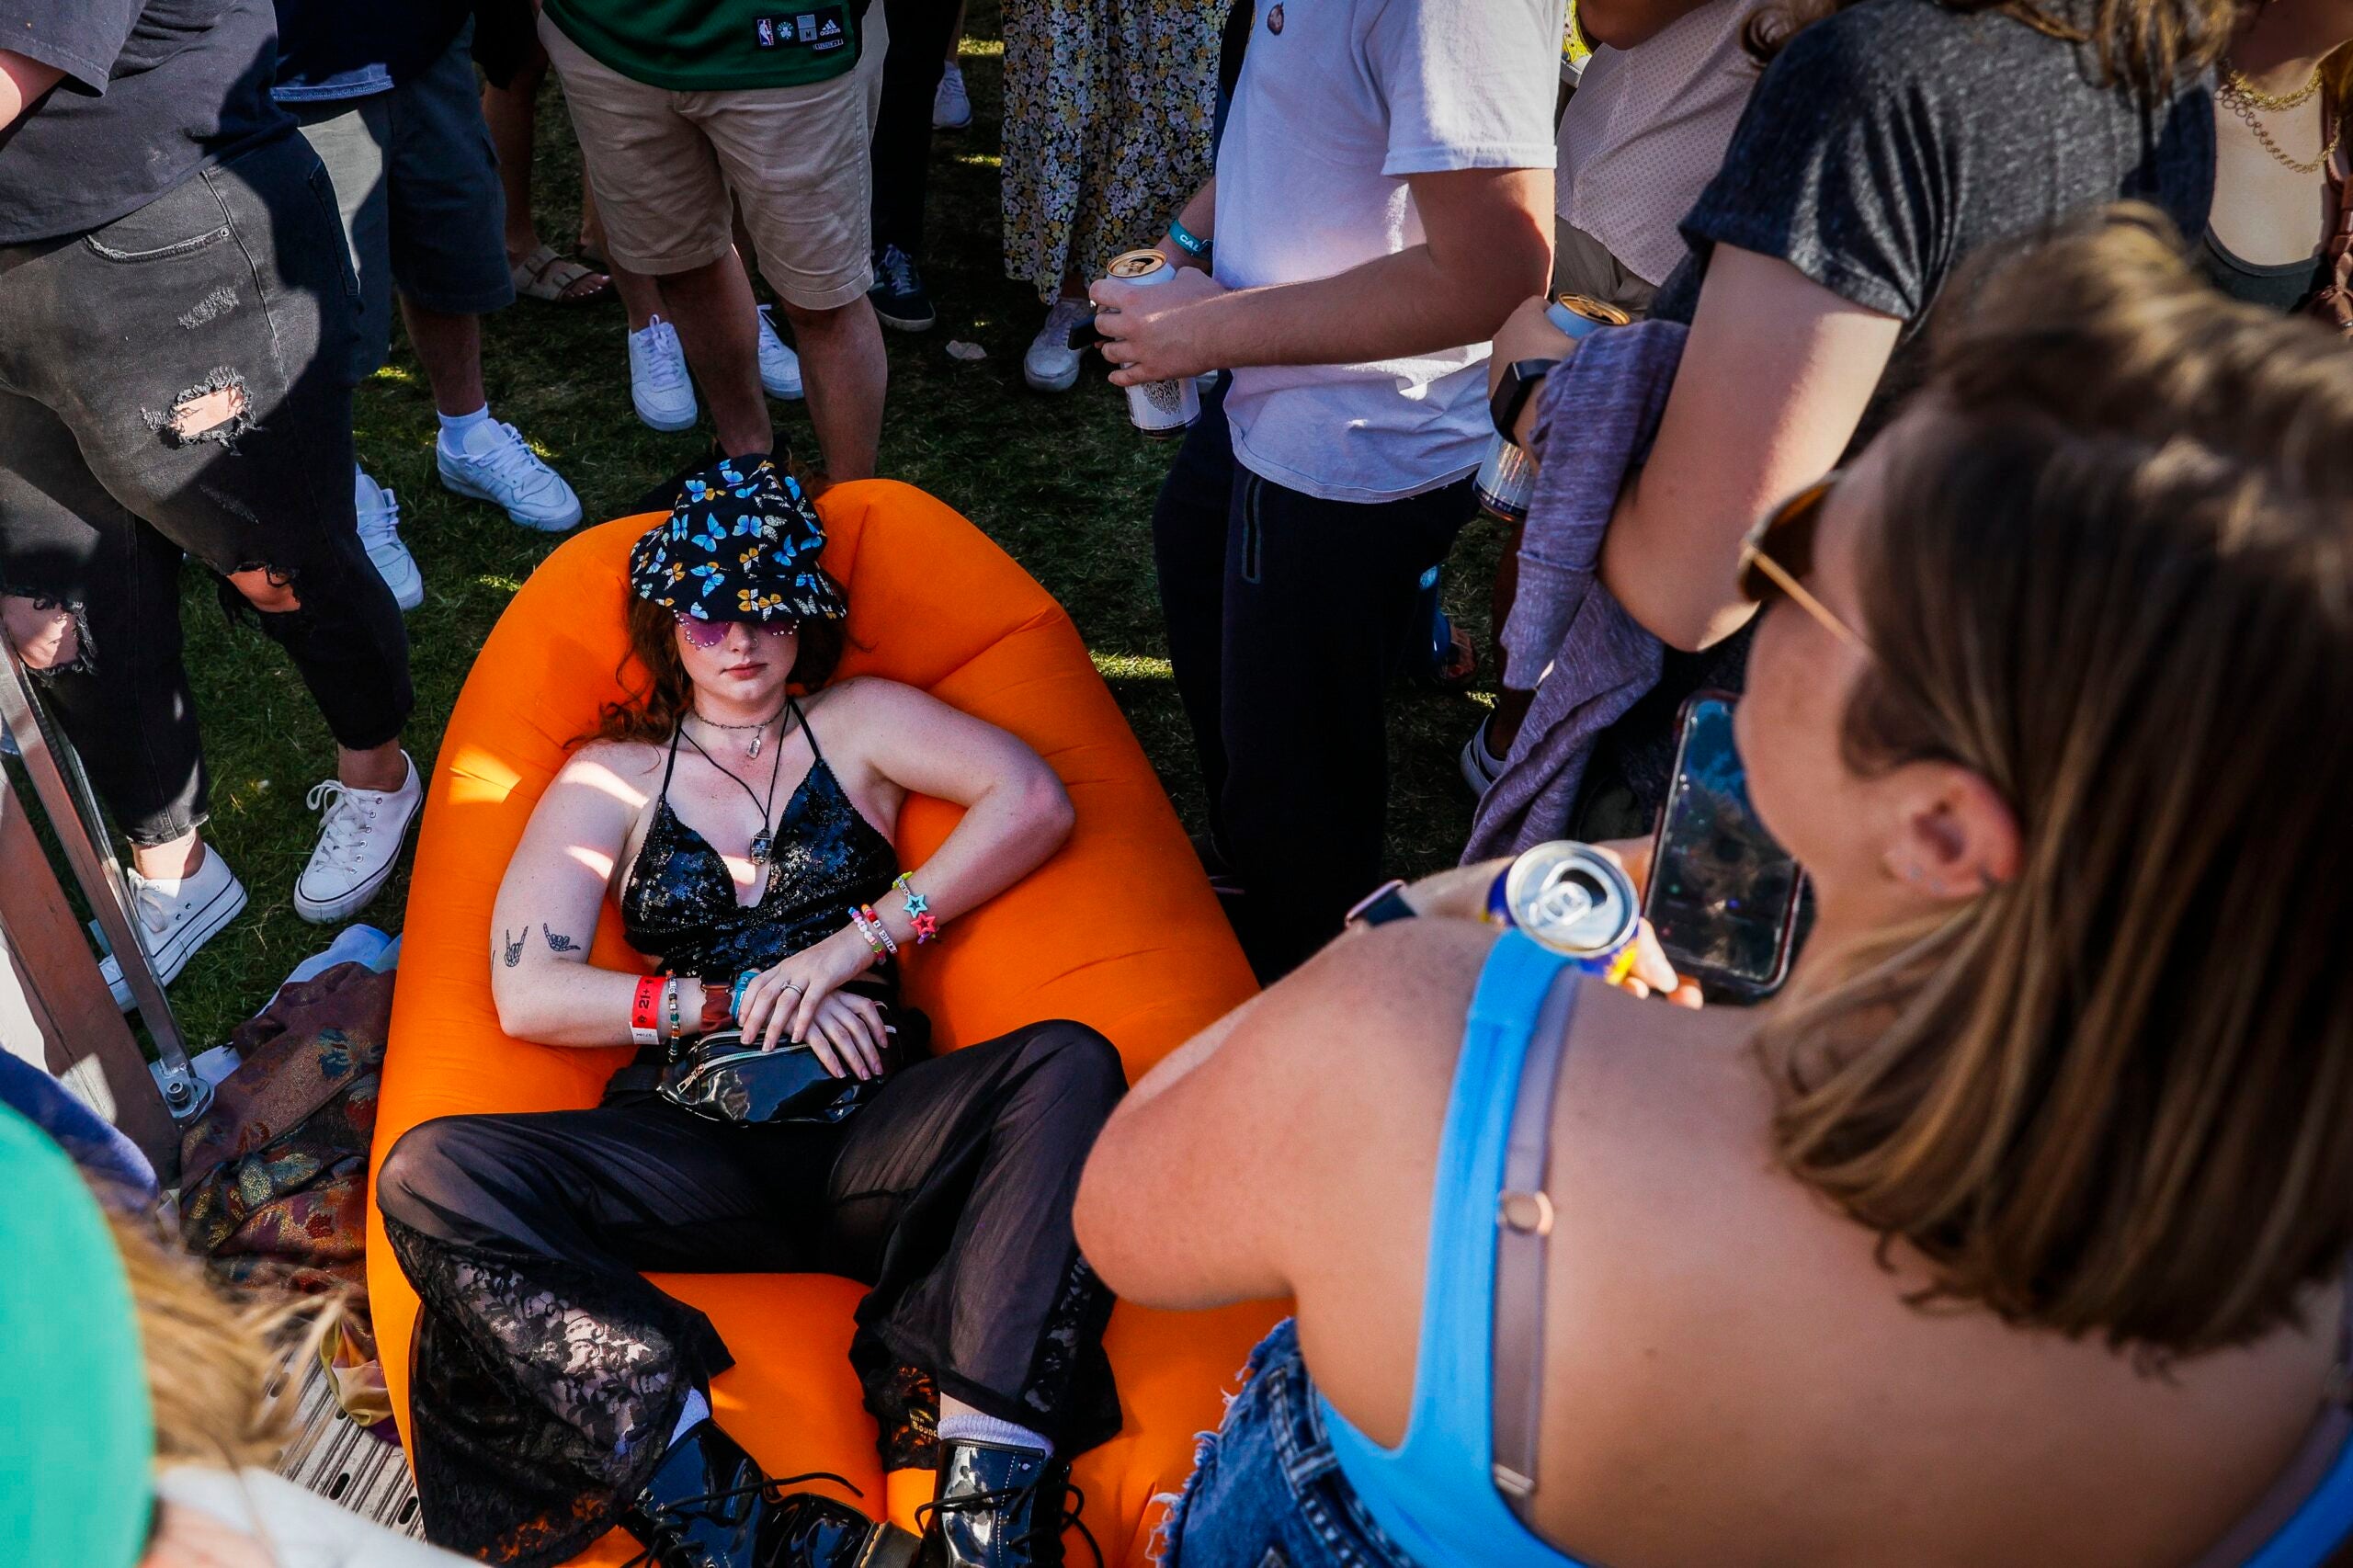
<point>2112,1095</point>
<point>656,692</point>
<point>2155,45</point>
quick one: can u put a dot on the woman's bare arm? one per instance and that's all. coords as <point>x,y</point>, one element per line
<point>897,741</point>
<point>1775,378</point>
<point>1227,1172</point>
<point>1016,811</point>
<point>546,913</point>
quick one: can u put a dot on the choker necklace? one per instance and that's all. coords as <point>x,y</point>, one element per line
<point>760,729</point>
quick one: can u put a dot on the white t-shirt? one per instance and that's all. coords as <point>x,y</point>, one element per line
<point>1331,113</point>
<point>300,1529</point>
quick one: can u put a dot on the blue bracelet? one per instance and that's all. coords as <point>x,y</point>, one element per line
<point>1190,243</point>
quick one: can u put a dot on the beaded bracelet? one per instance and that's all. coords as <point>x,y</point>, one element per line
<point>870,929</point>
<point>678,1027</point>
<point>736,996</point>
<point>919,913</point>
<point>889,942</point>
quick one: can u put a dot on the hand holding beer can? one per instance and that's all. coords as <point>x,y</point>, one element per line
<point>1162,410</point>
<point>1507,479</point>
<point>1575,900</point>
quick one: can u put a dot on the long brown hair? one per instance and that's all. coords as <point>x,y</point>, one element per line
<point>656,690</point>
<point>2112,1095</point>
<point>2155,45</point>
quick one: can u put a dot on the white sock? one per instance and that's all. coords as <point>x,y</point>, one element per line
<point>976,1428</point>
<point>455,428</point>
<point>696,1410</point>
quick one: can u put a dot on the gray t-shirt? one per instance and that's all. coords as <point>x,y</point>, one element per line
<point>1885,146</point>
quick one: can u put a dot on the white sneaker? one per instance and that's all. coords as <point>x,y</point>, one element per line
<point>1051,364</point>
<point>1481,767</point>
<point>951,107</point>
<point>658,383</point>
<point>495,466</point>
<point>780,366</point>
<point>360,842</point>
<point>173,924</point>
<point>379,531</point>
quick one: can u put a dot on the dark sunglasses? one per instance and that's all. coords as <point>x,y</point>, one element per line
<point>1778,553</point>
<point>710,634</point>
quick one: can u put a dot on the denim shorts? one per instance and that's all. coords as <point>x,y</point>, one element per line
<point>416,186</point>
<point>1267,1490</point>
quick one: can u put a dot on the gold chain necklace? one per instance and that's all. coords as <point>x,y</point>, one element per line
<point>2239,105</point>
<point>2237,84</point>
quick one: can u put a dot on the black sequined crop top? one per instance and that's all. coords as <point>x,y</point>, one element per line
<point>678,905</point>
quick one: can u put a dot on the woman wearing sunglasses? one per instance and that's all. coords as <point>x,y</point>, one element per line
<point>743,831</point>
<point>2014,1230</point>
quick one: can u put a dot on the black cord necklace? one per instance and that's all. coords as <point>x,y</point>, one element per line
<point>764,841</point>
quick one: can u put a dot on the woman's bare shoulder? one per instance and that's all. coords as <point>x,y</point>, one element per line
<point>627,772</point>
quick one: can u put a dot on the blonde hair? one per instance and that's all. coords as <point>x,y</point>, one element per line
<point>2110,1095</point>
<point>215,1363</point>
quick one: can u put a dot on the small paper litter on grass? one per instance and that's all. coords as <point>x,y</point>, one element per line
<point>959,349</point>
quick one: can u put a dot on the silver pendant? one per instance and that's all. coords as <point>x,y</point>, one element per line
<point>757,736</point>
<point>762,842</point>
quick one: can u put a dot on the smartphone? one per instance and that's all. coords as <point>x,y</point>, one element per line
<point>1723,895</point>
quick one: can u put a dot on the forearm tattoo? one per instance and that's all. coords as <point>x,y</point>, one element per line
<point>557,942</point>
<point>513,944</point>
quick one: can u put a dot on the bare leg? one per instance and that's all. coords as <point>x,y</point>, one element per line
<point>842,367</point>
<point>450,348</point>
<point>509,110</point>
<point>641,293</point>
<point>712,307</point>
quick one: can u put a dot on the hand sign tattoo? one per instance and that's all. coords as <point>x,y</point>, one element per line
<point>513,945</point>
<point>558,944</point>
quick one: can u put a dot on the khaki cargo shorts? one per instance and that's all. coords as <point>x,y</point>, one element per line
<point>662,164</point>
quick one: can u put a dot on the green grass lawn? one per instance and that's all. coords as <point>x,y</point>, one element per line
<point>1064,483</point>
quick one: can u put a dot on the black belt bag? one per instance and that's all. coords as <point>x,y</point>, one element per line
<point>723,1077</point>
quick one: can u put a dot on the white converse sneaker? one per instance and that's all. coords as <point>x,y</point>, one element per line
<point>173,922</point>
<point>495,466</point>
<point>1051,364</point>
<point>379,531</point>
<point>780,366</point>
<point>952,106</point>
<point>360,842</point>
<point>658,383</point>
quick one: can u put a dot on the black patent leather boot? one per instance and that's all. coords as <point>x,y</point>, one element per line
<point>709,1507</point>
<point>998,1507</point>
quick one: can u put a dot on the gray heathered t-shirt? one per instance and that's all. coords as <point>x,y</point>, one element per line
<point>1883,147</point>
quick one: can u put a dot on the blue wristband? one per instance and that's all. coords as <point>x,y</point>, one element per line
<point>1190,243</point>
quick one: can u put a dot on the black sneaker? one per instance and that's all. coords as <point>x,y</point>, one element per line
<point>899,296</point>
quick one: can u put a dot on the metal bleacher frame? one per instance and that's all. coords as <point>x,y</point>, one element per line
<point>83,1038</point>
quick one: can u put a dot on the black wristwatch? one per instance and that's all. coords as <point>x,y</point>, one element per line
<point>1520,379</point>
<point>1382,904</point>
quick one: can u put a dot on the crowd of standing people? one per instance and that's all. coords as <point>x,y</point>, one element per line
<point>2016,1227</point>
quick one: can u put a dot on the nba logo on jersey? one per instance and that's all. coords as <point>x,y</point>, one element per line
<point>764,28</point>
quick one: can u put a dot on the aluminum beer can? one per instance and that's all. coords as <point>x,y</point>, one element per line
<point>1574,900</point>
<point>1508,478</point>
<point>1162,410</point>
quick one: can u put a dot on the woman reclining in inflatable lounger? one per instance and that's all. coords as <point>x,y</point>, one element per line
<point>557,1393</point>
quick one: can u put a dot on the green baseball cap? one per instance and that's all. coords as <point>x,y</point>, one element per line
<point>77,1440</point>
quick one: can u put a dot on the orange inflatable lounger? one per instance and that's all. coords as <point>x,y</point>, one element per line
<point>1119,930</point>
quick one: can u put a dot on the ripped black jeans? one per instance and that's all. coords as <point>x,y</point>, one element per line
<point>180,381</point>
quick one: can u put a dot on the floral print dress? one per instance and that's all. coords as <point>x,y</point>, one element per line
<point>1108,106</point>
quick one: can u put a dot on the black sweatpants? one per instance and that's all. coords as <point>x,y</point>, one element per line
<point>1288,616</point>
<point>549,1373</point>
<point>920,32</point>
